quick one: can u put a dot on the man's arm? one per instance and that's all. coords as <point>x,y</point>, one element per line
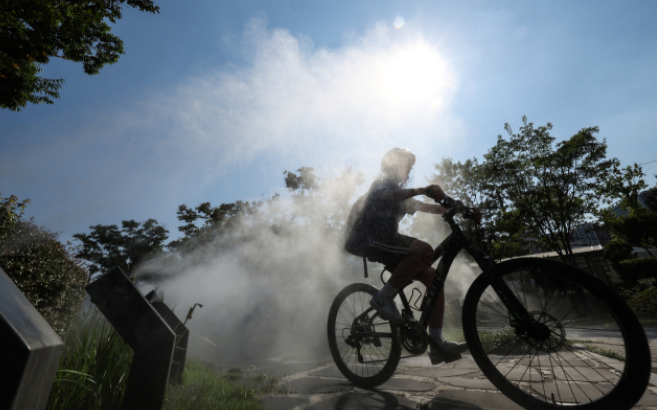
<point>396,195</point>
<point>428,208</point>
<point>432,191</point>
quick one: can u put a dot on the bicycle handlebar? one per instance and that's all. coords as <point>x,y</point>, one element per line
<point>457,207</point>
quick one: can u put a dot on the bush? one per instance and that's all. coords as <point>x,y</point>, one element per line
<point>633,270</point>
<point>44,271</point>
<point>644,303</point>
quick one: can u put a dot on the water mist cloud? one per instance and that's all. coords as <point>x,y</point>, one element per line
<point>378,90</point>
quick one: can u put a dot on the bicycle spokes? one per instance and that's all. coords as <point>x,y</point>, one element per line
<point>578,356</point>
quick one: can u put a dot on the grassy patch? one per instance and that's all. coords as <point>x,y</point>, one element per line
<point>204,388</point>
<point>94,367</point>
<point>604,352</point>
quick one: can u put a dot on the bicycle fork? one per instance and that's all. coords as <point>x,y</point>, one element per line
<point>520,318</point>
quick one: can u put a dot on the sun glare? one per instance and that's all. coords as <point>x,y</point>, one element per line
<point>417,73</point>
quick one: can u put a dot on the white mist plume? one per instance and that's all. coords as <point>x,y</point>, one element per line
<point>266,283</point>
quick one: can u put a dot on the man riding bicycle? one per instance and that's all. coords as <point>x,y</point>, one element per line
<point>375,235</point>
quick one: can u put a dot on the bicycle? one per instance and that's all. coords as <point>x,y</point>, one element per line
<point>538,316</point>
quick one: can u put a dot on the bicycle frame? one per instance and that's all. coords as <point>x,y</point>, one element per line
<point>447,252</point>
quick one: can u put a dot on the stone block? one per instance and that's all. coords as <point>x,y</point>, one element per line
<point>30,351</point>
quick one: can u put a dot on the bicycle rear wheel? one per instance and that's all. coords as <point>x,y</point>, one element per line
<point>597,355</point>
<point>365,346</point>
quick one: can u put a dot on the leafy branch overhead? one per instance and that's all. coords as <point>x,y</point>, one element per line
<point>34,31</point>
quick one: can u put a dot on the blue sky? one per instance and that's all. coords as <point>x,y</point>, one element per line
<point>214,100</point>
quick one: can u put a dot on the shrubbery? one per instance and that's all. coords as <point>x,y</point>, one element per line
<point>644,303</point>
<point>40,266</point>
<point>633,270</point>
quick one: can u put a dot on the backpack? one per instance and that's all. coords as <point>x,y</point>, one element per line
<point>352,220</point>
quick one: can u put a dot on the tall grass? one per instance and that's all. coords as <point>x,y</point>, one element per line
<point>204,388</point>
<point>94,367</point>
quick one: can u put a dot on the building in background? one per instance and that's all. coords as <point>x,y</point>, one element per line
<point>589,234</point>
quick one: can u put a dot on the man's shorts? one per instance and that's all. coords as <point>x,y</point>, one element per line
<point>388,251</point>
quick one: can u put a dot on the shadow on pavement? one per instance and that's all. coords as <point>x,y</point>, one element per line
<point>380,400</point>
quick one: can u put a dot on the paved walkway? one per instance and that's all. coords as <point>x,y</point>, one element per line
<point>316,384</point>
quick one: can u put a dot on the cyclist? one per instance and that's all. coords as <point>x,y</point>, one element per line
<point>375,235</point>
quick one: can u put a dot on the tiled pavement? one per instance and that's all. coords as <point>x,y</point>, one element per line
<point>454,386</point>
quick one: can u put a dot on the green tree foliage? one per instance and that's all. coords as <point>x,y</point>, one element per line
<point>639,227</point>
<point>532,192</point>
<point>107,246</point>
<point>10,214</point>
<point>33,31</point>
<point>549,189</point>
<point>635,270</point>
<point>501,231</point>
<point>205,223</point>
<point>40,266</point>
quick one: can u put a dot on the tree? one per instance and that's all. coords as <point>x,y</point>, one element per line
<point>638,228</point>
<point>33,31</point>
<point>323,199</point>
<point>11,212</point>
<point>41,267</point>
<point>216,222</point>
<point>546,189</point>
<point>500,233</point>
<point>107,246</point>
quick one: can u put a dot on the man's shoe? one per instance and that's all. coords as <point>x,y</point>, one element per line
<point>388,310</point>
<point>451,349</point>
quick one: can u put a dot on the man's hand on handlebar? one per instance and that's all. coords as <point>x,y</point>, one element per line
<point>472,213</point>
<point>477,214</point>
<point>434,192</point>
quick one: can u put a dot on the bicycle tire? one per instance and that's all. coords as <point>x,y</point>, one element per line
<point>379,362</point>
<point>604,316</point>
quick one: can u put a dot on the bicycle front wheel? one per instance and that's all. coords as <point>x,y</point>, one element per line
<point>365,346</point>
<point>597,354</point>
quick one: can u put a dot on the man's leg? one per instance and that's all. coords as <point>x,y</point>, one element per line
<point>418,258</point>
<point>437,316</point>
<point>436,321</point>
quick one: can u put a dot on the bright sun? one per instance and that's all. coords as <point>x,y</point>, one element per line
<point>417,73</point>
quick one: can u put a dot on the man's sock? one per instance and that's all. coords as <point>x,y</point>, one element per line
<point>436,334</point>
<point>386,293</point>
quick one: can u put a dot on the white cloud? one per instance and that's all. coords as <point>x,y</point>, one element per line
<point>368,95</point>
